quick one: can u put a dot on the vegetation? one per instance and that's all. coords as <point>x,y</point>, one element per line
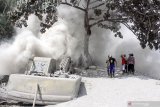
<point>6,28</point>
<point>142,17</point>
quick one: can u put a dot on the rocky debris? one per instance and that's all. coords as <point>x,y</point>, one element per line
<point>93,67</point>
<point>4,78</point>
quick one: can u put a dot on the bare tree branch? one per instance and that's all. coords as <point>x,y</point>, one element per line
<point>97,6</point>
<point>93,24</point>
<point>5,8</point>
<point>111,20</point>
<point>125,24</point>
<point>92,18</point>
<point>88,2</point>
<point>65,3</point>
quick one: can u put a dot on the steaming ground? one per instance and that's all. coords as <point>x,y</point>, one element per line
<point>115,92</point>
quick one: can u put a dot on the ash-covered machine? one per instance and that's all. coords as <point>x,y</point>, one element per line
<point>43,83</point>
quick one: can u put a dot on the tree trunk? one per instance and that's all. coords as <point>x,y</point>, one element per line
<point>87,61</point>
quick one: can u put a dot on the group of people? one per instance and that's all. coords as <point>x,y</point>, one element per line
<point>127,65</point>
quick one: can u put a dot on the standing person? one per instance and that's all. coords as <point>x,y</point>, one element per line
<point>108,67</point>
<point>124,64</point>
<point>112,63</point>
<point>131,63</point>
<point>71,67</point>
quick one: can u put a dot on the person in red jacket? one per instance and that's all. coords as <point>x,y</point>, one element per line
<point>124,64</point>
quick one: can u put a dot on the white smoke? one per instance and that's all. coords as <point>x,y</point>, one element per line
<point>55,42</point>
<point>147,61</point>
<point>102,44</point>
<point>65,37</point>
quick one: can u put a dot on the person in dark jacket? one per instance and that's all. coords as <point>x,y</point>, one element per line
<point>112,63</point>
<point>131,63</point>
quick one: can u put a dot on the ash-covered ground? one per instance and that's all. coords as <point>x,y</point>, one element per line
<point>99,90</point>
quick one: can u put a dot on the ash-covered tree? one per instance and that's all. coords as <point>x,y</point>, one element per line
<point>143,20</point>
<point>45,10</point>
<point>6,28</point>
<point>142,17</point>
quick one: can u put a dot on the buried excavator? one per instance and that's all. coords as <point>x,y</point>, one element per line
<point>43,84</point>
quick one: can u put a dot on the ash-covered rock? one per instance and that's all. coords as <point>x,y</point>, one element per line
<point>4,78</point>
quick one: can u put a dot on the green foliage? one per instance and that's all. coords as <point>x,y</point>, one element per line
<point>145,18</point>
<point>142,17</point>
<point>6,29</point>
<point>45,11</point>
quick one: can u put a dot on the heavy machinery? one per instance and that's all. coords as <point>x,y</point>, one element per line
<point>43,83</point>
